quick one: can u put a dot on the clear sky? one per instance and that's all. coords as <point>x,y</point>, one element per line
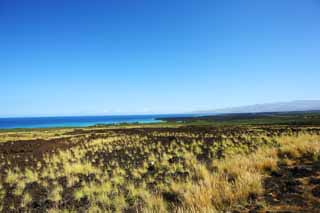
<point>66,57</point>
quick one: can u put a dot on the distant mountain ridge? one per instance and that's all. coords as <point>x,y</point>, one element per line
<point>292,106</point>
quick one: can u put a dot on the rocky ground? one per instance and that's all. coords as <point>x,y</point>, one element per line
<point>293,187</point>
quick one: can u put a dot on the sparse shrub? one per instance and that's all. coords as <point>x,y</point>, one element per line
<point>79,168</point>
<point>31,175</point>
<point>12,177</point>
<point>26,199</point>
<point>2,194</point>
<point>119,203</point>
<point>55,193</point>
<point>19,187</point>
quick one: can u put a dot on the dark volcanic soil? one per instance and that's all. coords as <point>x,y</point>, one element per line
<point>294,187</point>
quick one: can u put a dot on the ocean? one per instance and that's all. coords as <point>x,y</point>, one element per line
<point>79,121</point>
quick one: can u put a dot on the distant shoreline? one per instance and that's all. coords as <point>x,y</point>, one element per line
<point>81,121</point>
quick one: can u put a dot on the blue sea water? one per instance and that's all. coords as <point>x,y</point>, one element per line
<point>78,121</point>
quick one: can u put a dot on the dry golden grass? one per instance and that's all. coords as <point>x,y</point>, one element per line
<point>238,176</point>
<point>32,135</point>
<point>210,186</point>
<point>232,183</point>
<point>302,145</point>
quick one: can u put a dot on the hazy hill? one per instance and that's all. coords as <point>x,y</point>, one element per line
<point>306,105</point>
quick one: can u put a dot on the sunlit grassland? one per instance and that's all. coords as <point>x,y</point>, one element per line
<point>157,171</point>
<point>54,133</point>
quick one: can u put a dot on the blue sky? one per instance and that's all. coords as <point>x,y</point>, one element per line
<point>73,57</point>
